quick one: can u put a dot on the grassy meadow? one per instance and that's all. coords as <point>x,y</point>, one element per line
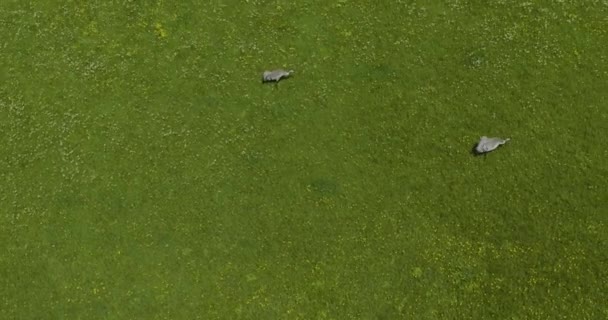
<point>147,173</point>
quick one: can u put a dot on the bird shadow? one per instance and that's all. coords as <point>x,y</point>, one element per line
<point>273,82</point>
<point>474,151</point>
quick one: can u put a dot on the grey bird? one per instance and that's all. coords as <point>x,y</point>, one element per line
<point>275,75</point>
<point>486,144</point>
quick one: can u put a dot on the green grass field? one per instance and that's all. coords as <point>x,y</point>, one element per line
<point>146,173</point>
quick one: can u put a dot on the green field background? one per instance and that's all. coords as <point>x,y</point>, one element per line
<point>147,173</point>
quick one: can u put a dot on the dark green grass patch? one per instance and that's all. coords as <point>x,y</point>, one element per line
<point>148,174</point>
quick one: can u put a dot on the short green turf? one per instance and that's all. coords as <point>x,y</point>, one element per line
<point>147,173</point>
